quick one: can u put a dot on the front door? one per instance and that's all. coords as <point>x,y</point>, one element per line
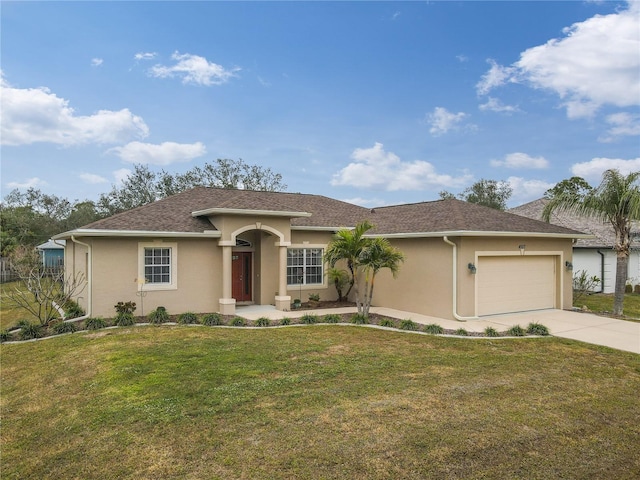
<point>241,276</point>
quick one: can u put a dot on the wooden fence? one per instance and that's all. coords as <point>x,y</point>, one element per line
<point>6,272</point>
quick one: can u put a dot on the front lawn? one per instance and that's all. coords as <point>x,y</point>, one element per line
<point>339,402</point>
<point>602,304</point>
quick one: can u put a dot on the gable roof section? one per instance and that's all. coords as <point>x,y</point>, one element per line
<point>186,214</point>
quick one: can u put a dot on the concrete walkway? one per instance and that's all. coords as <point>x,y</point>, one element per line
<point>585,327</point>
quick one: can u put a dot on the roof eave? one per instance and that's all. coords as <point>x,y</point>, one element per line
<point>242,211</point>
<point>477,233</point>
<point>90,232</point>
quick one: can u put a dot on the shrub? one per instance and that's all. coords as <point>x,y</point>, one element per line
<point>331,318</point>
<point>212,319</point>
<point>308,319</point>
<point>125,307</point>
<point>64,327</point>
<point>359,319</point>
<point>408,324</point>
<point>263,322</point>
<point>434,329</point>
<point>187,318</point>
<point>237,322</point>
<point>387,322</point>
<point>516,331</point>
<point>462,332</point>
<point>628,288</point>
<point>535,328</point>
<point>95,323</point>
<point>636,289</point>
<point>30,330</point>
<point>5,336</point>
<point>124,319</point>
<point>285,321</point>
<point>491,332</point>
<point>158,316</point>
<point>314,297</point>
<point>72,309</point>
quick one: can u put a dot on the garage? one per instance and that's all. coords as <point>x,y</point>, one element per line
<point>509,284</point>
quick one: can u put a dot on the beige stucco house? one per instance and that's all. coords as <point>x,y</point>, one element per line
<point>210,249</point>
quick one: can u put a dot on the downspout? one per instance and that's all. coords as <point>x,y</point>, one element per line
<point>455,282</point>
<point>89,278</point>
<point>601,271</point>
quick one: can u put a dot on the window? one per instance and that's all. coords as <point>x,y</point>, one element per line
<point>304,266</point>
<point>157,265</point>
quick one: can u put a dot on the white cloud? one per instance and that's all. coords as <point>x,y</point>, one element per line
<point>376,168</point>
<point>96,62</point>
<point>622,124</point>
<point>162,154</point>
<point>495,105</point>
<point>462,58</point>
<point>527,190</point>
<point>29,183</point>
<point>521,160</point>
<point>194,69</point>
<point>592,171</point>
<point>595,63</point>
<point>145,56</point>
<point>36,115</point>
<point>121,174</point>
<point>442,121</point>
<point>365,202</point>
<point>92,178</point>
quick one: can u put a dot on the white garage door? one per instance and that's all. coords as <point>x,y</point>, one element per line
<point>515,284</point>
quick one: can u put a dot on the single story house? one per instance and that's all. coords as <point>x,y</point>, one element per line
<point>594,255</point>
<point>52,253</point>
<point>210,249</point>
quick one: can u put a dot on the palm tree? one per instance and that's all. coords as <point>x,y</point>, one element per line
<point>617,201</point>
<point>347,245</point>
<point>378,254</point>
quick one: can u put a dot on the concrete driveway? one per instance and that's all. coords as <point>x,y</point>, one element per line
<point>585,327</point>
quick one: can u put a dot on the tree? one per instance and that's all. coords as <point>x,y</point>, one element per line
<point>377,254</point>
<point>572,186</point>
<point>617,201</point>
<point>489,193</point>
<point>445,195</point>
<point>340,278</point>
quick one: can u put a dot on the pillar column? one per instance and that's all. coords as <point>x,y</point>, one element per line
<point>283,301</point>
<point>227,302</point>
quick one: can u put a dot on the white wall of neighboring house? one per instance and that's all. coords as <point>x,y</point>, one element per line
<point>590,260</point>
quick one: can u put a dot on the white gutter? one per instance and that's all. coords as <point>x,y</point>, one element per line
<point>475,233</point>
<point>89,277</point>
<point>455,282</point>
<point>94,232</point>
<point>241,211</point>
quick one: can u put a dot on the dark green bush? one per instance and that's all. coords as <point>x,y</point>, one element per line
<point>516,331</point>
<point>212,319</point>
<point>462,332</point>
<point>308,319</point>
<point>187,318</point>
<point>408,324</point>
<point>125,307</point>
<point>359,319</point>
<point>285,321</point>
<point>535,328</point>
<point>237,322</point>
<point>95,323</point>
<point>491,332</point>
<point>64,327</point>
<point>434,329</point>
<point>331,318</point>
<point>387,322</point>
<point>5,336</point>
<point>158,316</point>
<point>124,319</point>
<point>30,330</point>
<point>72,309</point>
<point>263,322</point>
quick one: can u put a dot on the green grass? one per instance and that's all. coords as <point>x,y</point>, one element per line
<point>602,303</point>
<point>10,315</point>
<point>315,402</point>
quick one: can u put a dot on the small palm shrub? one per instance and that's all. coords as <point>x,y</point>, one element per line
<point>359,319</point>
<point>237,322</point>
<point>124,319</point>
<point>125,307</point>
<point>535,328</point>
<point>462,332</point>
<point>64,327</point>
<point>29,330</point>
<point>158,316</point>
<point>263,322</point>
<point>187,318</point>
<point>408,324</point>
<point>387,322</point>
<point>95,323</point>
<point>285,321</point>
<point>331,318</point>
<point>211,319</point>
<point>434,329</point>
<point>309,319</point>
<point>491,332</point>
<point>516,331</point>
<point>314,297</point>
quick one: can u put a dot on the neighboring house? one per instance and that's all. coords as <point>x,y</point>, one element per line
<point>52,253</point>
<point>593,255</point>
<point>210,249</point>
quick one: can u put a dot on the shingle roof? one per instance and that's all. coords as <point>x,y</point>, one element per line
<point>174,214</point>
<point>602,231</point>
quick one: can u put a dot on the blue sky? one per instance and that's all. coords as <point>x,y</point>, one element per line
<point>376,103</point>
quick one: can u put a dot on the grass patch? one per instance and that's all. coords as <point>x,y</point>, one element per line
<point>602,304</point>
<point>328,402</point>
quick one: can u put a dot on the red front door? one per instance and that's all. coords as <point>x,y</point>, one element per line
<point>241,276</point>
